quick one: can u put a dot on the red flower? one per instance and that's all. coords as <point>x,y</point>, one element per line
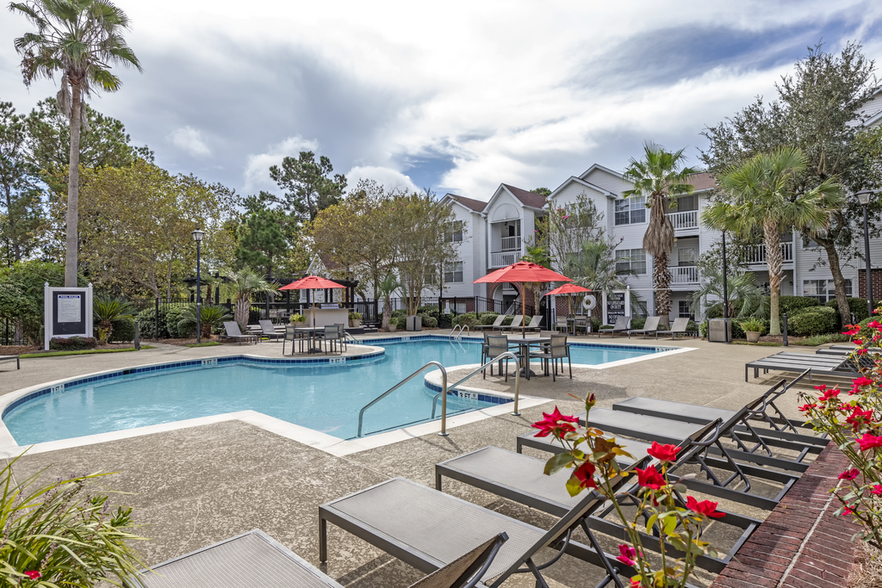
<point>635,583</point>
<point>821,387</point>
<point>877,490</point>
<point>807,407</point>
<point>869,441</point>
<point>861,351</point>
<point>555,423</point>
<point>33,574</point>
<point>626,555</point>
<point>859,417</point>
<point>849,474</point>
<point>853,330</point>
<point>705,507</point>
<point>862,381</point>
<point>650,478</point>
<point>585,474</point>
<point>663,452</point>
<point>847,511</point>
<point>828,395</point>
<point>857,342</point>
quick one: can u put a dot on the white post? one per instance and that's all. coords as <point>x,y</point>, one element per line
<point>605,310</point>
<point>47,316</point>
<point>628,304</point>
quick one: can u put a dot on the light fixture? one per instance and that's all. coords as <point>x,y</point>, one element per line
<point>197,235</point>
<point>864,196</point>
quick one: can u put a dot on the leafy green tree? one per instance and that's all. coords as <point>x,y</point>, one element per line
<point>819,111</point>
<point>21,295</point>
<point>22,207</point>
<point>80,39</point>
<point>594,267</point>
<point>387,286</point>
<point>307,184</point>
<point>661,178</point>
<point>260,241</point>
<point>246,284</point>
<point>211,317</point>
<point>541,191</point>
<point>539,255</point>
<point>762,197</point>
<point>741,287</point>
<point>564,229</point>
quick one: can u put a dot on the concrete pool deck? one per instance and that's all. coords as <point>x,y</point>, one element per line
<point>194,486</point>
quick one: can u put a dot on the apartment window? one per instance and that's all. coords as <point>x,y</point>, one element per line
<point>823,290</point>
<point>454,235</point>
<point>630,259</point>
<point>630,211</point>
<point>686,256</point>
<point>685,309</point>
<point>453,274</point>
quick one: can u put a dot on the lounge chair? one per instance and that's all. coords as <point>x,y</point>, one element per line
<point>679,328</point>
<point>521,478</point>
<point>426,529</point>
<point>233,332</point>
<point>515,323</point>
<point>268,330</point>
<point>255,560</point>
<point>534,324</point>
<point>11,358</point>
<point>621,326</point>
<point>833,365</point>
<point>497,324</point>
<point>649,327</point>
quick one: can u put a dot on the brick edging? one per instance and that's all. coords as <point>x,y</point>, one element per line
<point>802,543</point>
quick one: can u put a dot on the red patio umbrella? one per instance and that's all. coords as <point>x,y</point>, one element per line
<point>312,283</point>
<point>522,272</point>
<point>568,289</point>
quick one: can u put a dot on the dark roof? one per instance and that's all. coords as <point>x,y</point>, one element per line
<point>329,263</point>
<point>702,181</point>
<point>531,199</point>
<point>476,205</point>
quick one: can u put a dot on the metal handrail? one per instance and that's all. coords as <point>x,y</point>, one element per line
<point>462,329</point>
<point>477,371</point>
<point>401,383</point>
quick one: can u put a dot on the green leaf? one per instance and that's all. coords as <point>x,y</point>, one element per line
<point>557,463</point>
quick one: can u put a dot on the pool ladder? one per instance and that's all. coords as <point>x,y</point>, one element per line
<point>462,329</point>
<point>443,432</point>
<point>505,354</point>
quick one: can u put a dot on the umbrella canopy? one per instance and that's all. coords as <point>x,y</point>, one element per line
<point>522,272</point>
<point>568,289</point>
<point>312,283</point>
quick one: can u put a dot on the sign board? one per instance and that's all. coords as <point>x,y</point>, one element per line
<point>67,312</point>
<point>615,304</point>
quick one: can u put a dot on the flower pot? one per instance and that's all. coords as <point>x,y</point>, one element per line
<point>392,327</point>
<point>297,324</point>
<point>354,322</point>
<point>752,336</point>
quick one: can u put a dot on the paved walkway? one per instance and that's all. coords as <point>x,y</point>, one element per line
<point>192,487</point>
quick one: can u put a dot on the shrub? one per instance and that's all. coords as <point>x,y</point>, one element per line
<point>823,339</point>
<point>487,318</point>
<point>399,313</point>
<point>430,322</point>
<point>445,321</point>
<point>147,320</point>
<point>177,330</point>
<point>858,307</point>
<point>467,319</point>
<point>429,310</point>
<point>72,343</point>
<point>123,330</point>
<point>752,324</point>
<point>814,321</point>
<point>637,322</point>
<point>355,316</point>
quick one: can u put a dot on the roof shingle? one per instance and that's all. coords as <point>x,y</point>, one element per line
<point>527,198</point>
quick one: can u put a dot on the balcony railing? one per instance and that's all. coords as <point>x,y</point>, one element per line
<point>684,274</point>
<point>688,219</point>
<point>511,244</point>
<point>503,259</point>
<point>757,253</point>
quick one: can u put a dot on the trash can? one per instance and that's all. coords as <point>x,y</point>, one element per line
<point>716,330</point>
<point>414,323</point>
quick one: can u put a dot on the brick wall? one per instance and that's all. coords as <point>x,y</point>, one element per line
<point>877,284</point>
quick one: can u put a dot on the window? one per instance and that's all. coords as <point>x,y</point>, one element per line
<point>453,274</point>
<point>454,234</point>
<point>630,259</point>
<point>686,256</point>
<point>630,211</point>
<point>685,309</point>
<point>823,290</point>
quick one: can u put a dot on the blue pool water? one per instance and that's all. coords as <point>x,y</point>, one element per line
<point>322,397</point>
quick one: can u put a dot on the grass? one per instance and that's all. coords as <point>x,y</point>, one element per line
<point>822,339</point>
<point>758,343</point>
<point>83,352</point>
<point>206,344</point>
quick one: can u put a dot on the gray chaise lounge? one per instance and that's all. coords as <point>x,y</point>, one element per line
<point>233,332</point>
<point>649,327</point>
<point>828,365</point>
<point>621,326</point>
<point>679,328</point>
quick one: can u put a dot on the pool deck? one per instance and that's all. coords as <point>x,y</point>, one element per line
<point>194,486</point>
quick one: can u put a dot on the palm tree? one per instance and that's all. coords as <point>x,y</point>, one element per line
<point>739,286</point>
<point>105,310</point>
<point>246,283</point>
<point>211,316</point>
<point>80,39</point>
<point>389,285</point>
<point>594,267</point>
<point>661,178</point>
<point>762,199</point>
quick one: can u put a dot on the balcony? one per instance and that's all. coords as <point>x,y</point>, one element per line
<point>684,274</point>
<point>688,219</point>
<point>504,258</point>
<point>511,243</point>
<point>757,253</point>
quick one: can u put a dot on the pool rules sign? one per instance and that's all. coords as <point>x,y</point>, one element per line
<point>67,312</point>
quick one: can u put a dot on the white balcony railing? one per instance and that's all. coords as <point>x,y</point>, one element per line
<point>687,219</point>
<point>684,274</point>
<point>504,258</point>
<point>511,244</point>
<point>757,253</point>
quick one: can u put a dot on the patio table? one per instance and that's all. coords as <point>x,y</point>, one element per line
<point>313,334</point>
<point>523,344</point>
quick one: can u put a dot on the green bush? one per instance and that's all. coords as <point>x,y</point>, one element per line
<point>487,318</point>
<point>467,319</point>
<point>173,325</point>
<point>752,325</point>
<point>445,321</point>
<point>790,305</point>
<point>857,306</point>
<point>123,330</point>
<point>507,320</point>
<point>429,310</point>
<point>72,343</point>
<point>637,322</point>
<point>815,321</point>
<point>823,339</point>
<point>147,320</point>
<point>430,322</point>
<point>400,313</point>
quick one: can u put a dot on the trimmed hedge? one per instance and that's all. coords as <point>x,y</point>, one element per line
<point>173,323</point>
<point>72,343</point>
<point>488,318</point>
<point>123,330</point>
<point>809,322</point>
<point>468,318</point>
<point>430,322</point>
<point>857,306</point>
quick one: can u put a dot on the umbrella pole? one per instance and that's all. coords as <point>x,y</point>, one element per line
<point>523,309</point>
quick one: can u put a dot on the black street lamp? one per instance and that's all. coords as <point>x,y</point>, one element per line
<point>197,236</point>
<point>725,293</point>
<point>864,198</point>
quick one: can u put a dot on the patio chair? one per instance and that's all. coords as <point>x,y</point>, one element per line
<point>496,324</point>
<point>426,529</point>
<point>827,365</point>
<point>294,335</point>
<point>268,330</point>
<point>496,345</point>
<point>12,358</point>
<point>621,326</point>
<point>330,337</point>
<point>649,327</point>
<point>515,323</point>
<point>581,323</point>
<point>232,331</point>
<point>679,328</point>
<point>521,478</point>
<point>557,350</point>
<point>560,323</point>
<point>255,560</point>
<point>534,324</point>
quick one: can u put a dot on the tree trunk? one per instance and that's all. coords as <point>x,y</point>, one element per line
<point>241,312</point>
<point>661,277</point>
<point>387,312</point>
<point>73,189</point>
<point>774,261</point>
<point>829,246</point>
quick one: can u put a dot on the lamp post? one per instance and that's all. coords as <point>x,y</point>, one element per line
<point>864,198</point>
<point>725,293</point>
<point>197,236</point>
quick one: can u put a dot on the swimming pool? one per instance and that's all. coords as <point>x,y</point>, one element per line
<point>325,397</point>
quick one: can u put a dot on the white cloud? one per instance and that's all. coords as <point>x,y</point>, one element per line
<point>386,177</point>
<point>190,140</point>
<point>257,167</point>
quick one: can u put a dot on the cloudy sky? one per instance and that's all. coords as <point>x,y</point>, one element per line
<point>455,96</point>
